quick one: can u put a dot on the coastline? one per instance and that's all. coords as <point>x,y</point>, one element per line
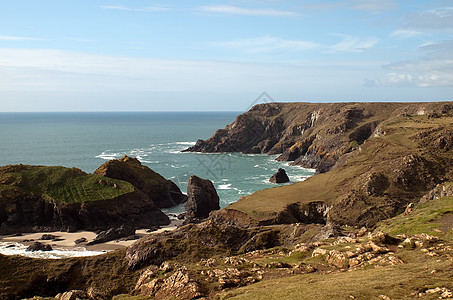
<point>66,240</point>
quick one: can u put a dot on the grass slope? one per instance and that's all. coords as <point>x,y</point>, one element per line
<point>418,273</point>
<point>61,184</point>
<point>377,154</point>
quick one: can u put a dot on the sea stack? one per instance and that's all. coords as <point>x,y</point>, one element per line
<point>279,177</point>
<point>202,198</point>
<point>164,193</point>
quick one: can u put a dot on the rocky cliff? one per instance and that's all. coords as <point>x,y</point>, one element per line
<point>311,135</point>
<point>39,198</point>
<point>374,158</point>
<point>163,192</point>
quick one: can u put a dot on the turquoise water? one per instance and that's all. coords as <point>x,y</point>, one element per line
<point>87,140</point>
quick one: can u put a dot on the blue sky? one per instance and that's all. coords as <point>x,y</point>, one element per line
<point>134,55</point>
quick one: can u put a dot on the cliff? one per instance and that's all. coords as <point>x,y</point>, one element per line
<point>163,192</point>
<point>40,198</point>
<point>374,158</point>
<point>311,135</point>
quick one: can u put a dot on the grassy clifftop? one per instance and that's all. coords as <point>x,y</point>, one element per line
<point>406,156</point>
<point>60,184</point>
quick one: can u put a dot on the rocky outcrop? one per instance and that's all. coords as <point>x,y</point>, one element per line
<point>36,198</point>
<point>202,198</point>
<point>113,234</point>
<point>279,177</point>
<point>312,135</point>
<point>164,193</point>
<point>37,246</point>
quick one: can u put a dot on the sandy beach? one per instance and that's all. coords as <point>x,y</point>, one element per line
<point>66,240</point>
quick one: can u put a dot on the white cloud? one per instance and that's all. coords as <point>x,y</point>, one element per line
<point>155,8</point>
<point>431,20</point>
<point>404,33</point>
<point>353,44</point>
<point>268,44</point>
<point>373,5</point>
<point>229,9</point>
<point>434,69</point>
<point>18,38</point>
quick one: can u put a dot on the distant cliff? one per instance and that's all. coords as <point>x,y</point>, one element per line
<point>310,135</point>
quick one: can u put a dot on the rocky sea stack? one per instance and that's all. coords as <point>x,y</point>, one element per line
<point>202,198</point>
<point>279,177</point>
<point>164,193</point>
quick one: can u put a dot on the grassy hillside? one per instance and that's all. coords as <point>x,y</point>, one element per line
<point>61,184</point>
<point>382,175</point>
<point>425,266</point>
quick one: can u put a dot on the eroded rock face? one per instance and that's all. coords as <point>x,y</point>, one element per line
<point>165,193</point>
<point>24,211</point>
<point>279,177</point>
<point>202,198</point>
<point>113,234</point>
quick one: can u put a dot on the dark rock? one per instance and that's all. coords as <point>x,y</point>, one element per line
<point>37,246</point>
<point>202,198</point>
<point>154,228</point>
<point>80,241</point>
<point>181,216</point>
<point>164,193</point>
<point>17,234</point>
<point>49,237</point>
<point>24,211</point>
<point>129,238</point>
<point>279,177</point>
<point>113,234</point>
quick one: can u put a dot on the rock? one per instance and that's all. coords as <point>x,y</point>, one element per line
<point>181,216</point>
<point>46,237</point>
<point>113,234</point>
<point>279,177</point>
<point>28,205</point>
<point>202,198</point>
<point>37,246</point>
<point>80,241</point>
<point>72,295</point>
<point>163,192</point>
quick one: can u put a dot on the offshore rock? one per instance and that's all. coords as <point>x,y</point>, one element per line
<point>165,193</point>
<point>279,177</point>
<point>202,198</point>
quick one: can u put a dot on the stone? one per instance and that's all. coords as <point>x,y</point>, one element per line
<point>202,198</point>
<point>279,177</point>
<point>47,237</point>
<point>80,241</point>
<point>37,246</point>
<point>113,234</point>
<point>72,295</point>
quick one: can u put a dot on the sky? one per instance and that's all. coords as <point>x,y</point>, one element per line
<point>158,55</point>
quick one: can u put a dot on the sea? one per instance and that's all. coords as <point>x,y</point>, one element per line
<point>88,139</point>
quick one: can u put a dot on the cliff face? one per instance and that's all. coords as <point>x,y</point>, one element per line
<point>310,135</point>
<point>163,192</point>
<point>38,198</point>
<point>374,158</point>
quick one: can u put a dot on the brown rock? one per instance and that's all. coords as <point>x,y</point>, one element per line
<point>202,198</point>
<point>279,177</point>
<point>165,193</point>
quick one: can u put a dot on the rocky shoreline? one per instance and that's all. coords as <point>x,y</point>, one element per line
<point>374,223</point>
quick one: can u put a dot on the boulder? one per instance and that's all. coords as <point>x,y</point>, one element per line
<point>37,246</point>
<point>113,234</point>
<point>279,177</point>
<point>164,193</point>
<point>202,198</point>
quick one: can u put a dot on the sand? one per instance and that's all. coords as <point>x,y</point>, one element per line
<point>68,238</point>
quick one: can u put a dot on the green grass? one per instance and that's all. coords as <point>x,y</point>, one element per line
<point>396,282</point>
<point>61,184</point>
<point>424,218</point>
